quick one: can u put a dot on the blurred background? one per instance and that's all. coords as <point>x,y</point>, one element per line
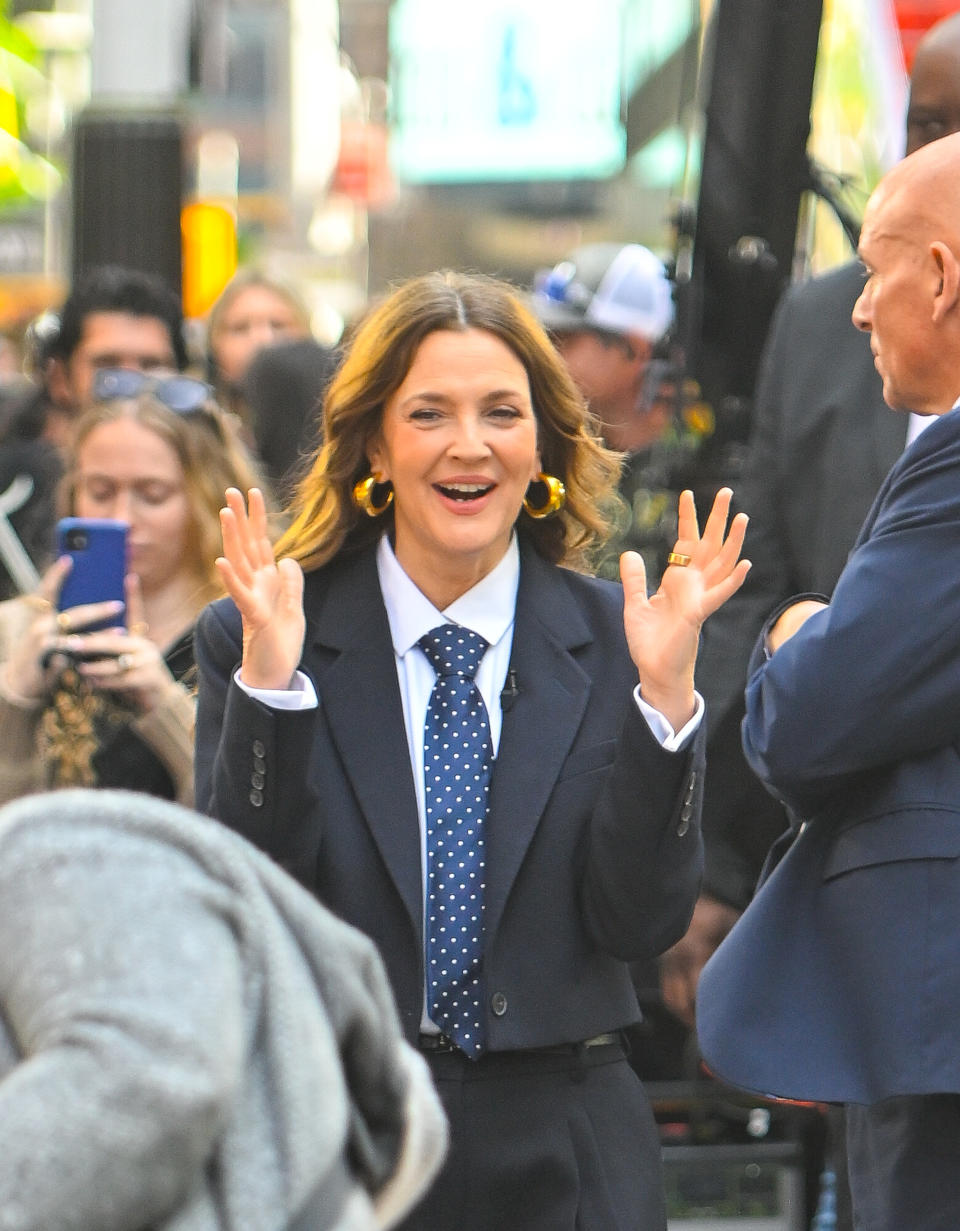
<point>343,146</point>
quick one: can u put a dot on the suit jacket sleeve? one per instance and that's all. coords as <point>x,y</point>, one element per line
<point>645,857</point>
<point>236,759</point>
<point>874,679</point>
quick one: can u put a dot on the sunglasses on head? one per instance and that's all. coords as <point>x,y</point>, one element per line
<point>184,395</point>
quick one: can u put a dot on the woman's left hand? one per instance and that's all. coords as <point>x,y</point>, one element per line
<point>663,631</point>
<point>131,664</point>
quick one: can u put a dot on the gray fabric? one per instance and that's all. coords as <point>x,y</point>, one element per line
<point>201,1045</point>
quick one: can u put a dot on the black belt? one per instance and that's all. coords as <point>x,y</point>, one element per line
<point>439,1044</point>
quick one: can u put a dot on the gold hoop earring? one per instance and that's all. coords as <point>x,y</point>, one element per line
<point>556,497</point>
<point>363,495</point>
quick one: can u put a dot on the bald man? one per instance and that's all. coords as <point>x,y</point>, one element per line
<point>822,443</point>
<point>841,980</point>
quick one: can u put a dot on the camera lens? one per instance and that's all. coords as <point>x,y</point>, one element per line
<point>76,540</point>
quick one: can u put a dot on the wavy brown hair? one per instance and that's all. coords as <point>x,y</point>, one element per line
<point>211,454</point>
<point>324,518</point>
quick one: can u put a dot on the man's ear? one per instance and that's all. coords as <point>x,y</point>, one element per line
<point>642,349</point>
<point>58,383</point>
<point>948,291</point>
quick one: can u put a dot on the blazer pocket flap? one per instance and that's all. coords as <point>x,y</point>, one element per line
<point>911,833</point>
<point>597,756</point>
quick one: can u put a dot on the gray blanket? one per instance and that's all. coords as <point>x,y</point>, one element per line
<point>188,1040</point>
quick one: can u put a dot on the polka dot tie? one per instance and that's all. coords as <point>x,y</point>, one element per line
<point>457,758</point>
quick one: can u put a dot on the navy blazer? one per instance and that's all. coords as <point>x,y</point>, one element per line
<point>841,981</point>
<point>593,843</point>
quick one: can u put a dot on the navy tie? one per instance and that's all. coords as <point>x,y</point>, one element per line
<point>457,759</point>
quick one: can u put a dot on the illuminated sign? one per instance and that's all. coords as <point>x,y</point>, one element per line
<point>493,90</point>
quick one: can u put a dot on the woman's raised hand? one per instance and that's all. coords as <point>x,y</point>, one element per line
<point>268,593</point>
<point>663,630</point>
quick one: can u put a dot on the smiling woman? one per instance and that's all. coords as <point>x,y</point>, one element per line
<point>458,443</point>
<point>115,707</point>
<point>439,730</point>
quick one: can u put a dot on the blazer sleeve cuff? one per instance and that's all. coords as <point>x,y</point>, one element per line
<point>761,651</point>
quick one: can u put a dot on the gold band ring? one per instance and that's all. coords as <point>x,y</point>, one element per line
<point>63,622</point>
<point>679,559</point>
<point>37,602</point>
<point>140,629</point>
<point>124,663</point>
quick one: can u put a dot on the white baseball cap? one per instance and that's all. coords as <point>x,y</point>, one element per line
<point>620,288</point>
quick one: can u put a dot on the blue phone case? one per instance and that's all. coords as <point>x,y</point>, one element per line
<point>98,547</point>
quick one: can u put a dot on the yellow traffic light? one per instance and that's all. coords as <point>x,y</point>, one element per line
<point>209,235</point>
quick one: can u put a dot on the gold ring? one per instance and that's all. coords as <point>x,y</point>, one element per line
<point>124,663</point>
<point>679,559</point>
<point>37,602</point>
<point>63,622</point>
<point>140,629</point>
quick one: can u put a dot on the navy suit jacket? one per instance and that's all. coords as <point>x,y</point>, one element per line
<point>593,844</point>
<point>841,981</point>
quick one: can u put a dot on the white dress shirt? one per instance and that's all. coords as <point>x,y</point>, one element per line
<point>917,424</point>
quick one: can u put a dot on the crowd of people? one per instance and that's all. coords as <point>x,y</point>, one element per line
<point>432,728</point>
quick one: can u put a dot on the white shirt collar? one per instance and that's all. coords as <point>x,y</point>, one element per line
<point>487,608</point>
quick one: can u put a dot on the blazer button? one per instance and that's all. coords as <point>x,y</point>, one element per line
<point>259,765</point>
<point>257,781</point>
<point>256,798</point>
<point>259,749</point>
<point>498,1003</point>
<point>683,824</point>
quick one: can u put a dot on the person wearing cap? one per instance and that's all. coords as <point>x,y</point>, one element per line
<point>609,308</point>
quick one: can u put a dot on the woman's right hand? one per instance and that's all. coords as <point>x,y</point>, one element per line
<point>268,593</point>
<point>49,635</point>
<point>26,668</point>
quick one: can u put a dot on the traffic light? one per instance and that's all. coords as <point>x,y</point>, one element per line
<point>209,237</point>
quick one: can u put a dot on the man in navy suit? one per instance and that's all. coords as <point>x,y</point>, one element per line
<point>822,443</point>
<point>841,981</point>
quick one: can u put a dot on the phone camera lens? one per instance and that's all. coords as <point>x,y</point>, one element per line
<point>76,540</point>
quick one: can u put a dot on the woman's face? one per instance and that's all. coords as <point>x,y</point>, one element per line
<point>128,472</point>
<point>256,317</point>
<point>458,441</point>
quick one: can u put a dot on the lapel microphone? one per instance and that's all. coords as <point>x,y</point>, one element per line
<point>510,691</point>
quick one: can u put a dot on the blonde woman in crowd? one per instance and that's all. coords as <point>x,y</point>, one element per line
<point>253,311</point>
<point>115,707</point>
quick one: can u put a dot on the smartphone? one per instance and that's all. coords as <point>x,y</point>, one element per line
<point>98,548</point>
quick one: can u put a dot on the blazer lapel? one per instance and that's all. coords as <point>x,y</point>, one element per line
<point>353,665</point>
<point>539,727</point>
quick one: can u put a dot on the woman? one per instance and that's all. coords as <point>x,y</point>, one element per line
<point>116,707</point>
<point>459,470</point>
<point>253,311</point>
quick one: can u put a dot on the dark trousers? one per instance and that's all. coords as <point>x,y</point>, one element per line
<point>544,1142</point>
<point>903,1156</point>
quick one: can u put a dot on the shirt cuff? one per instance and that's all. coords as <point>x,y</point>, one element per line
<point>301,695</point>
<point>662,731</point>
